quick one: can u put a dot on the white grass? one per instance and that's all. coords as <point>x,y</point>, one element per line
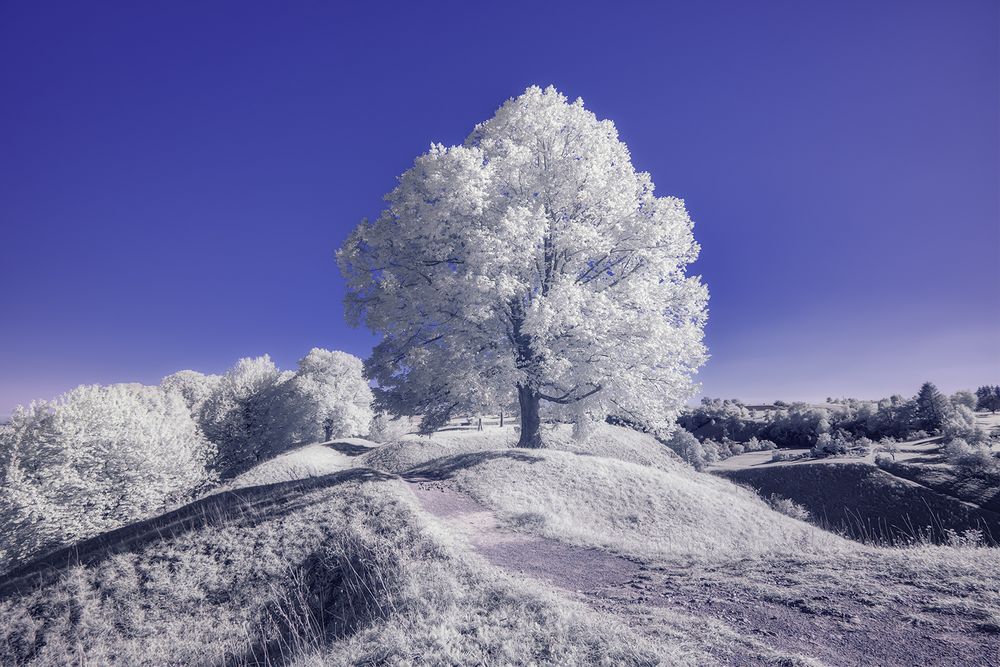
<point>637,510</point>
<point>343,575</point>
<point>309,461</point>
<point>313,460</point>
<point>618,490</point>
<point>615,442</point>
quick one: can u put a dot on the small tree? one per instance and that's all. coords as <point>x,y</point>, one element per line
<point>931,408</point>
<point>988,398</point>
<point>328,397</point>
<point>532,264</point>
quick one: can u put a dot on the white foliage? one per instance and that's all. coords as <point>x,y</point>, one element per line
<point>327,398</point>
<point>235,416</point>
<point>95,459</point>
<point>194,387</point>
<point>534,258</point>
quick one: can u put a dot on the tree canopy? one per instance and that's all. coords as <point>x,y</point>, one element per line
<point>533,263</point>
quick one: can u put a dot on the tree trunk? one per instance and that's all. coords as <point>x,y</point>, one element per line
<point>531,424</point>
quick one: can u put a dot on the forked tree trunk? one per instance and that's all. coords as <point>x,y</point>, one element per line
<point>531,424</point>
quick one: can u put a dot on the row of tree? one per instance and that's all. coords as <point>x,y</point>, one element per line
<point>803,425</point>
<point>99,457</point>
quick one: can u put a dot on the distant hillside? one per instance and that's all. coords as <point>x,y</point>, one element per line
<point>865,502</point>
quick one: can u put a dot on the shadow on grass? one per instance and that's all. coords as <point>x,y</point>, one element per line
<point>248,506</point>
<point>335,593</point>
<point>447,467</point>
<point>348,449</point>
<point>870,504</point>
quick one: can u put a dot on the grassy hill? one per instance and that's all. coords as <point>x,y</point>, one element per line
<point>456,549</point>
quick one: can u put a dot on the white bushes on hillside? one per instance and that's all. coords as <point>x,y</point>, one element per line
<point>969,457</point>
<point>99,457</point>
<point>690,449</point>
<point>92,460</point>
<point>960,422</point>
<point>386,428</point>
<point>255,409</point>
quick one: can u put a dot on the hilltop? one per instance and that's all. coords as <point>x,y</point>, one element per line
<point>457,549</point>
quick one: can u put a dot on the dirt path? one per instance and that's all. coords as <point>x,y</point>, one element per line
<point>779,612</point>
<point>578,569</point>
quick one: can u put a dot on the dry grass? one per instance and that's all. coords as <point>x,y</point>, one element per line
<point>617,490</point>
<point>636,510</point>
<point>410,451</point>
<point>310,461</point>
<point>345,570</point>
<point>346,575</point>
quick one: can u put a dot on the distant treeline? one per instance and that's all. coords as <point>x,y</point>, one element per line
<point>719,428</point>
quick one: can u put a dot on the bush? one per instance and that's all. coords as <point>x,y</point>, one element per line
<point>92,460</point>
<point>831,445</point>
<point>755,445</point>
<point>690,450</point>
<point>256,410</point>
<point>386,428</point>
<point>787,506</point>
<point>969,457</point>
<point>782,455</point>
<point>960,423</point>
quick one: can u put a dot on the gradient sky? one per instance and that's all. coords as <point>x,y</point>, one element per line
<point>174,177</point>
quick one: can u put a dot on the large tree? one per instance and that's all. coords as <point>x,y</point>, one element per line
<point>531,264</point>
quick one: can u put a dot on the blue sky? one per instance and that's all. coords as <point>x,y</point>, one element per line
<point>176,176</point>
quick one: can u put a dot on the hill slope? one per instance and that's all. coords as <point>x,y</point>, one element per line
<point>468,552</point>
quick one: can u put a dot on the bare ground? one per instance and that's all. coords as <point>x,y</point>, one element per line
<point>786,611</point>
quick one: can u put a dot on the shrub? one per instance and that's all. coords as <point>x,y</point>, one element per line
<point>386,428</point>
<point>92,460</point>
<point>961,423</point>
<point>969,457</point>
<point>831,445</point>
<point>755,445</point>
<point>787,506</point>
<point>688,448</point>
